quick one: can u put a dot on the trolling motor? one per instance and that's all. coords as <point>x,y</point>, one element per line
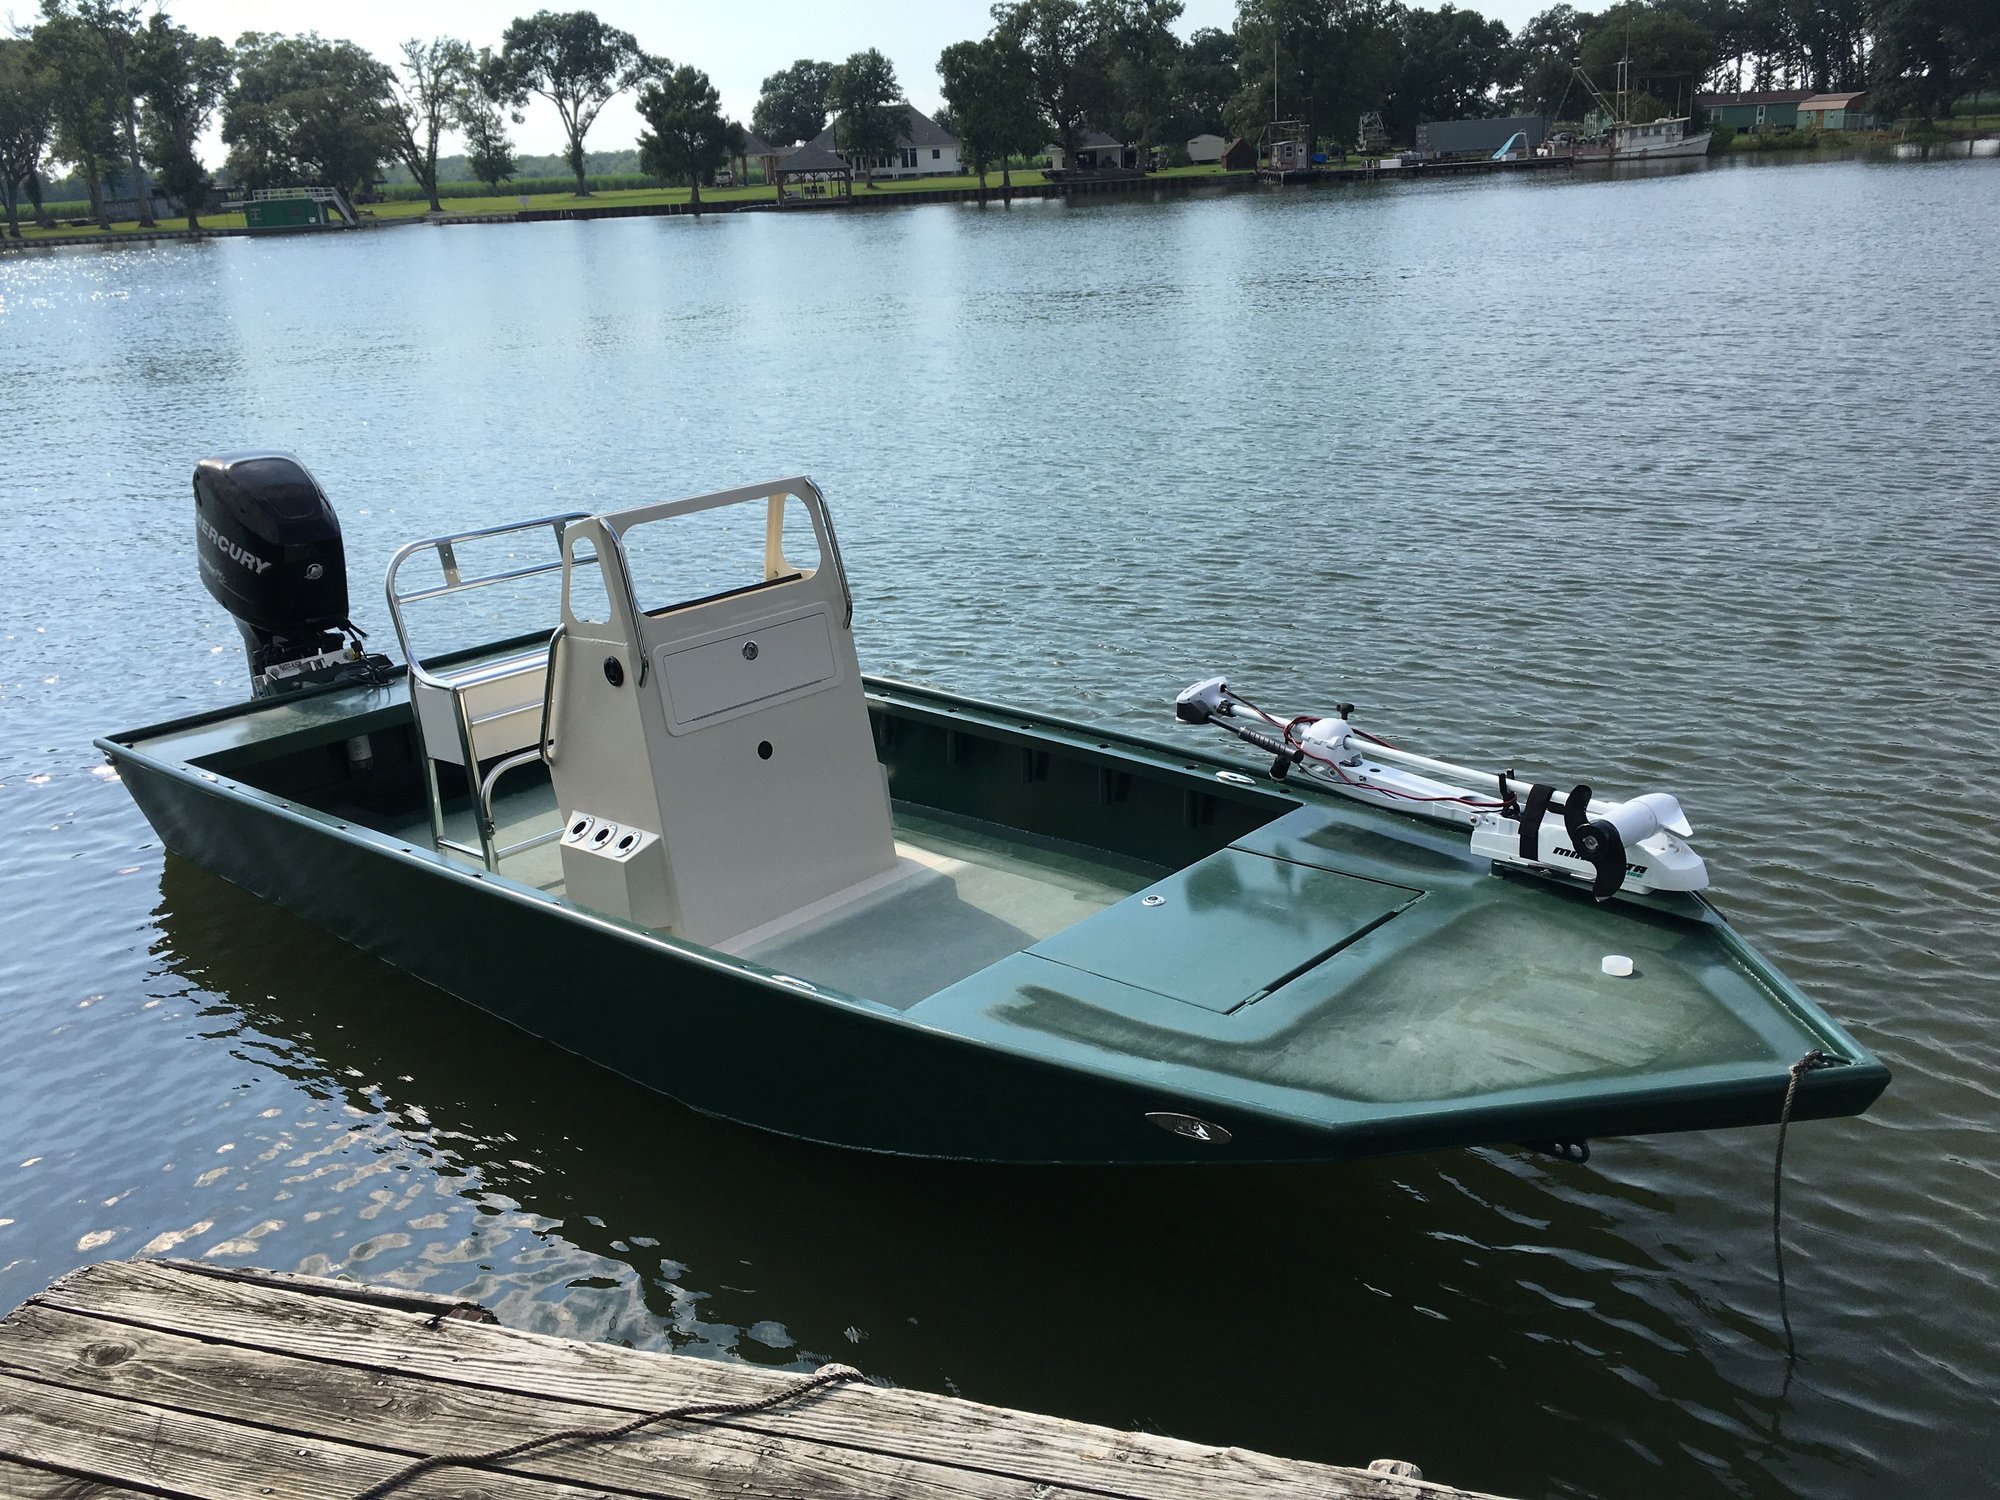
<point>270,552</point>
<point>1634,845</point>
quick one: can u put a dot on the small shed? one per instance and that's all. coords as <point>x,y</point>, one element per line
<point>1755,112</point>
<point>813,174</point>
<point>1239,156</point>
<point>1835,112</point>
<point>1203,149</point>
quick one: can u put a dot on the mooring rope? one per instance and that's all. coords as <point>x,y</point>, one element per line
<point>825,1376</point>
<point>1810,1063</point>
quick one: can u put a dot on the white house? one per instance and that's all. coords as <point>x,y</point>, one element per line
<point>924,148</point>
<point>1206,148</point>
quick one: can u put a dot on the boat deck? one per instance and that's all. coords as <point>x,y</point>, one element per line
<point>971,895</point>
<point>152,1378</point>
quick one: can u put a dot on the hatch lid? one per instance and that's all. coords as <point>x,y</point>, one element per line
<point>1228,929</point>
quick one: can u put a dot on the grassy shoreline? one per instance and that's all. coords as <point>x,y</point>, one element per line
<point>513,203</point>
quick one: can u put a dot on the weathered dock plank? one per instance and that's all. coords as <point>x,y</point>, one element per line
<point>165,1378</point>
<point>20,1482</point>
<point>163,1451</point>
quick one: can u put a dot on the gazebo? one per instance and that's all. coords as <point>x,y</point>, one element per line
<point>767,156</point>
<point>814,173</point>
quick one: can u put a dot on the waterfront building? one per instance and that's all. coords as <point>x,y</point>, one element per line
<point>1096,152</point>
<point>814,172</point>
<point>1754,113</point>
<point>1848,111</point>
<point>924,148</point>
<point>1479,137</point>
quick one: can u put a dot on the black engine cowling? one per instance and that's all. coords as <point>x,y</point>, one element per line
<point>271,554</point>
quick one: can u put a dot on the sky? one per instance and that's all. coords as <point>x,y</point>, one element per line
<point>737,45</point>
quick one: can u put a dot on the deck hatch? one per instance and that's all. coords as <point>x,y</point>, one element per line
<point>1227,929</point>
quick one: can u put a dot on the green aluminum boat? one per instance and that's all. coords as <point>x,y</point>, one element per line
<point>662,820</point>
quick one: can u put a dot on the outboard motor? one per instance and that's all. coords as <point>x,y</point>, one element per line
<point>271,555</point>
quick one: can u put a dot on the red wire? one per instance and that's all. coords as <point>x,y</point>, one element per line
<point>1384,791</point>
<point>1290,728</point>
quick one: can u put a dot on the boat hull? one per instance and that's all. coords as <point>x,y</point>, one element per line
<point>1694,145</point>
<point>974,1080</point>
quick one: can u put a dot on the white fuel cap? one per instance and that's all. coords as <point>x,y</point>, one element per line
<point>1617,965</point>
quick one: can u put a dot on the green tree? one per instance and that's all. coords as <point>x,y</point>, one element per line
<point>870,114</point>
<point>489,154</point>
<point>1830,38</point>
<point>1066,64</point>
<point>1669,56</point>
<point>1321,61</point>
<point>1208,79</point>
<point>987,90</point>
<point>82,101</point>
<point>1544,61</point>
<point>26,120</point>
<point>182,78</point>
<point>116,28</point>
<point>573,60</point>
<point>791,106</point>
<point>1930,52</point>
<point>688,137</point>
<point>1142,68</point>
<point>1450,65</point>
<point>438,76</point>
<point>306,110</point>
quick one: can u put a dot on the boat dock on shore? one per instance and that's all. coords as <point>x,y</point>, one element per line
<point>151,1378</point>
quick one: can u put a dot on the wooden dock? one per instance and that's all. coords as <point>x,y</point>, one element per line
<point>166,1378</point>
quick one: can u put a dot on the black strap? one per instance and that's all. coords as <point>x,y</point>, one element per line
<point>1532,813</point>
<point>1508,806</point>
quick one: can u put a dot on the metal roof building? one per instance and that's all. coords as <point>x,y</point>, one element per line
<point>1479,137</point>
<point>1843,111</point>
<point>1763,109</point>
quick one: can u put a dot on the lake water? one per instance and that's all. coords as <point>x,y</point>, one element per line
<point>1684,481</point>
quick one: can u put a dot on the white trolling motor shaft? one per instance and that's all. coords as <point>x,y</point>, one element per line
<point>1630,845</point>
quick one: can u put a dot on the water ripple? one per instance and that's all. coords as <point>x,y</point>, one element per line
<point>1580,475</point>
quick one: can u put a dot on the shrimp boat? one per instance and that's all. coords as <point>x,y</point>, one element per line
<point>665,822</point>
<point>1656,140</point>
<point>1626,139</point>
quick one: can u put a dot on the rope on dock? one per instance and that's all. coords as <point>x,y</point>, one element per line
<point>1812,1062</point>
<point>826,1375</point>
